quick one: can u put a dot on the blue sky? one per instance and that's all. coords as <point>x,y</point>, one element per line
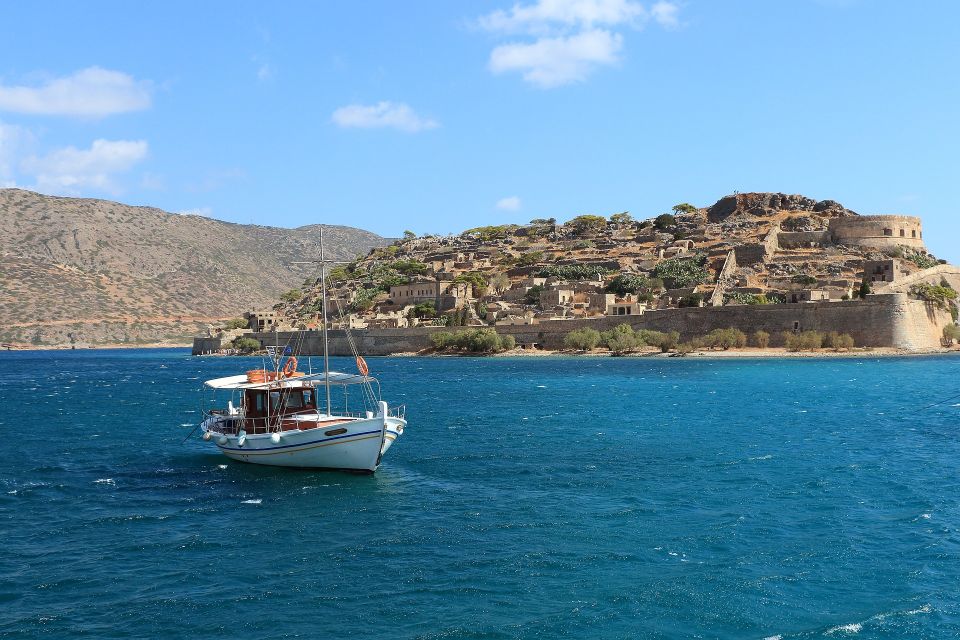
<point>439,116</point>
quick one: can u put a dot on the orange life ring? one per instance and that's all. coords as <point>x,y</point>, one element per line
<point>362,366</point>
<point>290,368</point>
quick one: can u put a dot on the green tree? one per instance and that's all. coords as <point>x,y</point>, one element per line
<point>423,310</point>
<point>409,235</point>
<point>532,296</point>
<point>951,332</point>
<point>621,219</point>
<point>583,339</point>
<point>626,283</point>
<point>235,323</point>
<point>761,339</point>
<point>530,258</point>
<point>500,282</point>
<point>292,296</point>
<point>684,207</point>
<point>245,345</point>
<point>664,221</point>
<point>585,224</point>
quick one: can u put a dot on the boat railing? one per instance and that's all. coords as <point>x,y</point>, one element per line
<point>399,411</point>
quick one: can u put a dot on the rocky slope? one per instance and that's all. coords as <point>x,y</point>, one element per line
<point>727,253</point>
<point>94,271</point>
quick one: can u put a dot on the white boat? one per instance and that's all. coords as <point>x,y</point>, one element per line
<point>281,423</point>
<point>276,416</point>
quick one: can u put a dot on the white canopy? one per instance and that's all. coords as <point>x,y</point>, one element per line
<point>240,382</point>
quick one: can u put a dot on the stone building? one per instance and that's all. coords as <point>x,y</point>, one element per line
<point>627,306</point>
<point>808,295</point>
<point>881,270</point>
<point>555,297</point>
<point>261,320</point>
<point>445,295</point>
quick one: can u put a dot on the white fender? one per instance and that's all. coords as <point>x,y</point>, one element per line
<point>275,437</point>
<point>207,435</point>
<point>242,440</point>
<point>222,440</point>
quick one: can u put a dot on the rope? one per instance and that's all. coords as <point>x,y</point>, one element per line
<point>936,404</point>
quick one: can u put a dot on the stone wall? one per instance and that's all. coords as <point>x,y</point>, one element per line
<point>890,320</point>
<point>880,232</point>
<point>804,239</point>
<point>933,275</point>
<point>205,345</point>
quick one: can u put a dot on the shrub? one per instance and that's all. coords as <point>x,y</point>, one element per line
<point>409,267</point>
<point>761,339</point>
<point>725,339</point>
<point>620,339</point>
<point>802,278</point>
<point>664,341</point>
<point>473,340</point>
<point>692,300</point>
<point>529,259</point>
<point>951,332</point>
<point>938,294</point>
<point>684,207</point>
<point>582,339</point>
<point>805,341</point>
<point>441,339</point>
<point>493,232</point>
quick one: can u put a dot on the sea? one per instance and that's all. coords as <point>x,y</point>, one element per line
<point>537,497</point>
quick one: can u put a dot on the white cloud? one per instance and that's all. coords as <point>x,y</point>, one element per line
<point>396,115</point>
<point>264,72</point>
<point>69,170</point>
<point>572,38</point>
<point>511,203</point>
<point>14,140</point>
<point>665,14</point>
<point>205,212</point>
<point>91,92</point>
<point>552,62</point>
<point>546,15</point>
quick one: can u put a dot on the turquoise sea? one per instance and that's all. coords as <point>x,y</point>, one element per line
<point>529,498</point>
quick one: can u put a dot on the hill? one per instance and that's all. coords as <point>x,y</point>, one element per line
<point>752,248</point>
<point>94,271</point>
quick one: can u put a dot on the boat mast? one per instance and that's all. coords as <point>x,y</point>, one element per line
<point>326,343</point>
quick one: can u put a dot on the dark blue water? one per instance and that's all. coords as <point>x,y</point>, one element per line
<point>540,497</point>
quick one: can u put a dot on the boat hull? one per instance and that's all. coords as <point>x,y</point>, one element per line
<point>357,445</point>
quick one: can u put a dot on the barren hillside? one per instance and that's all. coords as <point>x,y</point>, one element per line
<point>95,271</point>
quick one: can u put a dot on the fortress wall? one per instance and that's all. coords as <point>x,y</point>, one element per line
<point>890,320</point>
<point>870,231</point>
<point>802,239</point>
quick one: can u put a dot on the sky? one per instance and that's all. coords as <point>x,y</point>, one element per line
<point>437,116</point>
